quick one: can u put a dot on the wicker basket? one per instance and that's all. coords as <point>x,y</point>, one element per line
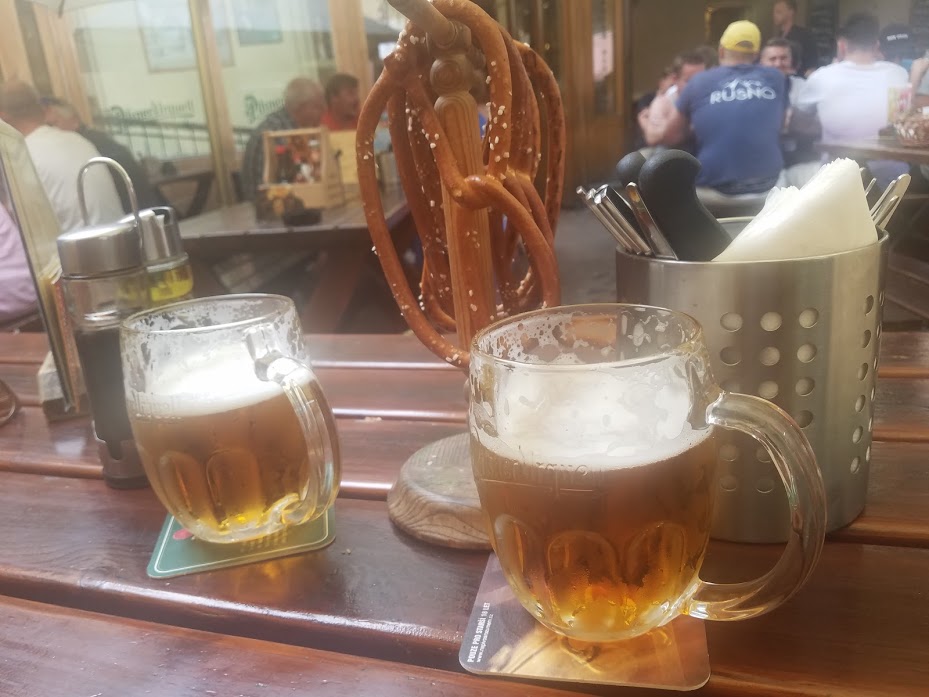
<point>913,130</point>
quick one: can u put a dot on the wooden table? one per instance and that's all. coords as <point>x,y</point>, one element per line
<point>342,234</point>
<point>908,281</point>
<point>879,148</point>
<point>378,613</point>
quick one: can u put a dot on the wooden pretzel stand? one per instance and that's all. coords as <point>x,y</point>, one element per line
<point>485,212</point>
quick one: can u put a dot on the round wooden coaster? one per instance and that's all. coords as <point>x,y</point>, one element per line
<point>435,498</point>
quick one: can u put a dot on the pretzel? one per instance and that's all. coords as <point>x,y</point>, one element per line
<point>526,128</point>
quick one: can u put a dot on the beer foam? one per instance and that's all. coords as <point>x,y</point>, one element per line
<point>217,381</point>
<point>604,419</point>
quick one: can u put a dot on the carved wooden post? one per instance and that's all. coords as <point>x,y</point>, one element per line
<point>468,231</point>
<point>435,498</point>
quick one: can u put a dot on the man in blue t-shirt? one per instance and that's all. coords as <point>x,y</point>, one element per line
<point>737,113</point>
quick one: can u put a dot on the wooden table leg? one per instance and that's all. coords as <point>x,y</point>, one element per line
<point>333,289</point>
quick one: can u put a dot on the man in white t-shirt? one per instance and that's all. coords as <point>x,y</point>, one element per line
<point>852,97</point>
<point>58,157</point>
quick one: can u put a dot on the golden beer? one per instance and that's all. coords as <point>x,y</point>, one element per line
<point>600,549</point>
<point>594,450</point>
<point>234,431</point>
<point>234,468</point>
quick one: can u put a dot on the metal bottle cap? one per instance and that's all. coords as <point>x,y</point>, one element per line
<point>100,249</point>
<point>161,236</point>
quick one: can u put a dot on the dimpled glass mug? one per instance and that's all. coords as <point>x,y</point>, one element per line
<point>593,444</point>
<point>235,434</point>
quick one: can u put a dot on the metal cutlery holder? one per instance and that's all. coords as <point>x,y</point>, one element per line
<point>802,333</point>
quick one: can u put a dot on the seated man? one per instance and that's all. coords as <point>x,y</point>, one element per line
<point>783,55</point>
<point>343,103</point>
<point>303,108</point>
<point>852,98</point>
<point>58,157</point>
<point>801,160</point>
<point>62,115</point>
<point>17,291</point>
<point>736,112</point>
<point>899,45</point>
<point>654,120</point>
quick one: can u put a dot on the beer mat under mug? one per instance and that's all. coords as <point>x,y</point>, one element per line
<point>178,553</point>
<point>503,639</point>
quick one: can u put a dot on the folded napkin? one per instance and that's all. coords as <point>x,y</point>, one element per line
<point>828,215</point>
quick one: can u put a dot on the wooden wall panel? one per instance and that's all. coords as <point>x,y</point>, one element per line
<point>64,68</point>
<point>14,63</point>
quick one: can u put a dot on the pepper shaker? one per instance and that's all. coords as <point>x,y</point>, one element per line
<point>105,281</point>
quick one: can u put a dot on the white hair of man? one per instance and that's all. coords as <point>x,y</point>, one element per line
<point>299,91</point>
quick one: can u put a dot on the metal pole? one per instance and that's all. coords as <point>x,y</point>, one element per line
<point>214,98</point>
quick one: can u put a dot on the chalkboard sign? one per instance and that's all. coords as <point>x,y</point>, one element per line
<point>823,22</point>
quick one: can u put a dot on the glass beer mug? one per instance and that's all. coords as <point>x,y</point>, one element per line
<point>593,444</point>
<point>234,431</point>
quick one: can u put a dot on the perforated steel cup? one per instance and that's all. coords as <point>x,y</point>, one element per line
<point>802,333</point>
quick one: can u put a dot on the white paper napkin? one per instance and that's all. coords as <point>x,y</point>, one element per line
<point>828,215</point>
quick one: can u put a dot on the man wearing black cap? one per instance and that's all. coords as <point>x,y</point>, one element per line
<point>898,45</point>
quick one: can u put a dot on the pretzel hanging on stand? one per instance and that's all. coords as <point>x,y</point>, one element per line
<point>487,234</point>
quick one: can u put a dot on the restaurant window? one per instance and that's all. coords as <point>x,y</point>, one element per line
<point>383,25</point>
<point>140,75</point>
<point>269,44</point>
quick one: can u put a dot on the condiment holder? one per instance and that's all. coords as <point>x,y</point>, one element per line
<point>802,333</point>
<point>109,272</point>
<point>170,276</point>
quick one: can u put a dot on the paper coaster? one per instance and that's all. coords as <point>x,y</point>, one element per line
<point>178,553</point>
<point>503,639</point>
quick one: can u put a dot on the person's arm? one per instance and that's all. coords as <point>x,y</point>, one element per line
<point>919,72</point>
<point>656,124</point>
<point>677,124</point>
<point>810,94</point>
<point>803,118</point>
<point>642,119</point>
<point>677,128</point>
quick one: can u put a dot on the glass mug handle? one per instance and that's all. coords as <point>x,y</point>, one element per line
<point>796,464</point>
<point>305,395</point>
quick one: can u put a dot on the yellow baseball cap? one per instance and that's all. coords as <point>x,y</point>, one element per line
<point>742,36</point>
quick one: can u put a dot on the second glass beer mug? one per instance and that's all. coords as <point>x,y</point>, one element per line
<point>594,451</point>
<point>234,431</point>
